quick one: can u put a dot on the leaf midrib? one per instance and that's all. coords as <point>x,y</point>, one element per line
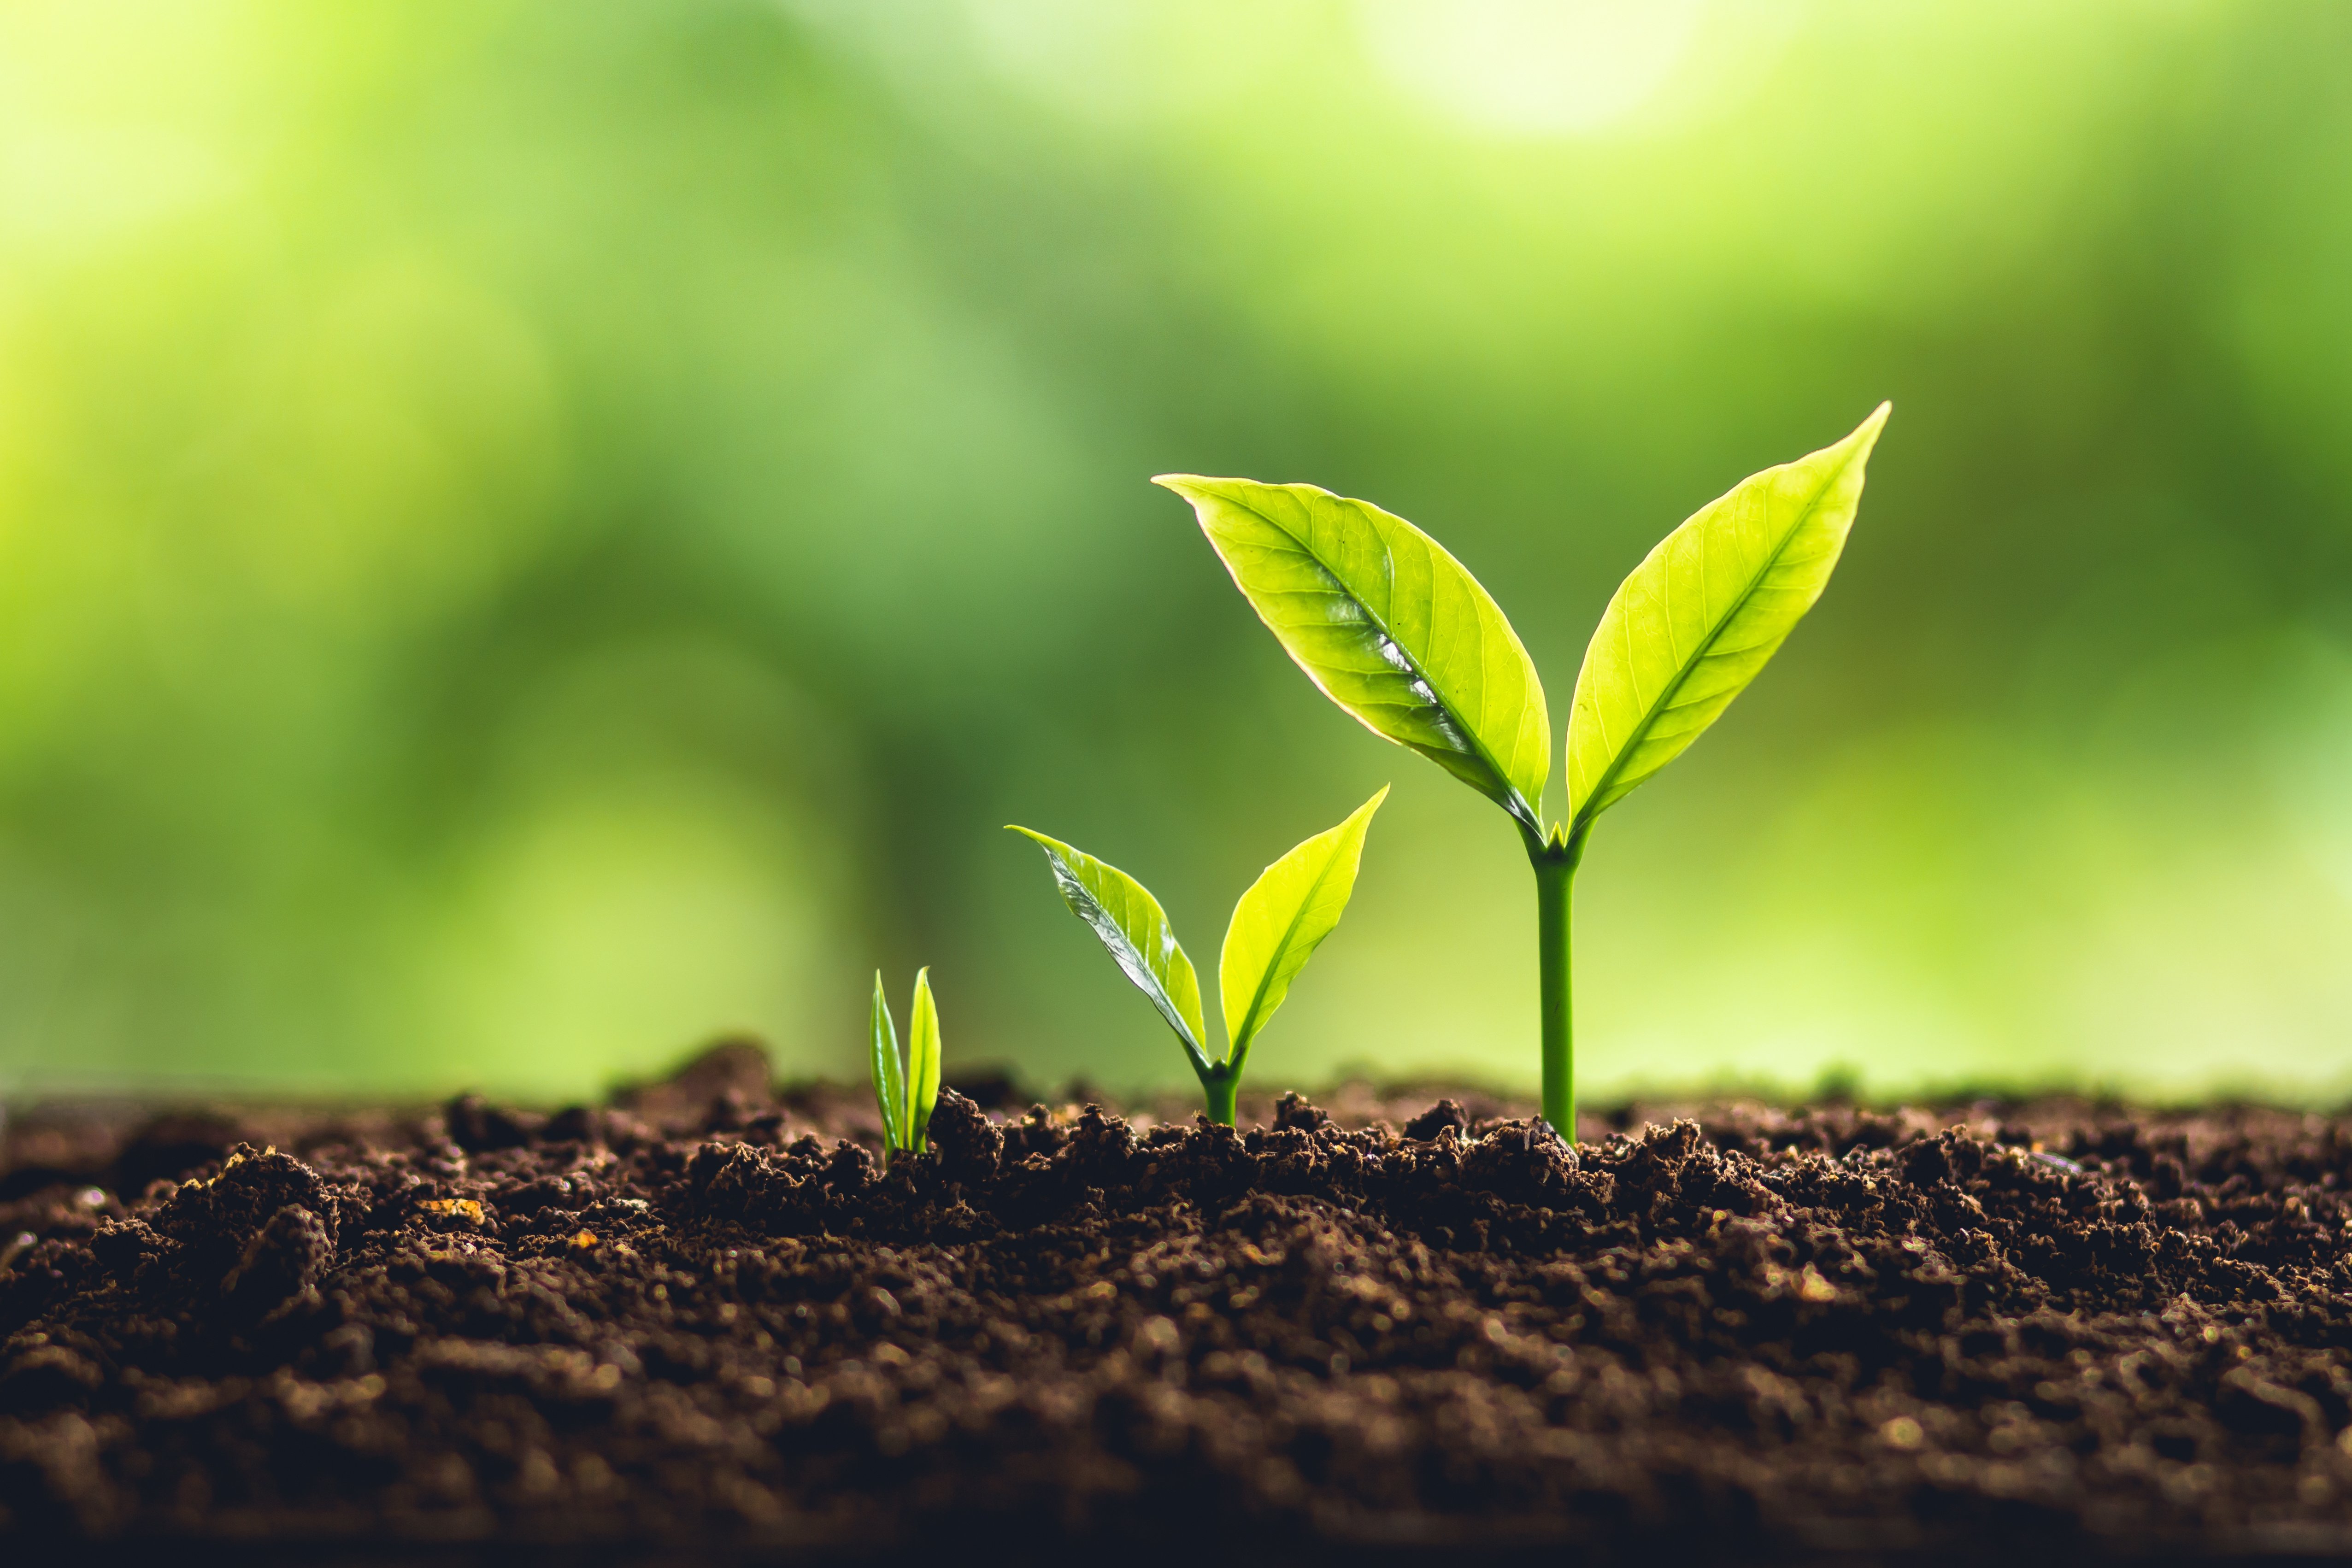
<point>1236,1048</point>
<point>1174,1015</point>
<point>1666,692</point>
<point>1159,971</point>
<point>1519,805</point>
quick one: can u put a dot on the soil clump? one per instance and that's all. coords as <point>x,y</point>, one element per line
<point>704,1321</point>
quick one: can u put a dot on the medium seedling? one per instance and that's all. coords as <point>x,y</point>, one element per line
<point>906,1091</point>
<point>1393,630</point>
<point>1276,928</point>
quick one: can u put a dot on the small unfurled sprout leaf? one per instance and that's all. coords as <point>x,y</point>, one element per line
<point>922,1062</point>
<point>1276,928</point>
<point>1388,626</point>
<point>1702,614</point>
<point>889,1078</point>
<point>1279,923</point>
<point>1131,925</point>
<point>907,1092</point>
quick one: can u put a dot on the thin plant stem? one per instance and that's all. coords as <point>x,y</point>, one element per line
<point>1219,1090</point>
<point>1554,867</point>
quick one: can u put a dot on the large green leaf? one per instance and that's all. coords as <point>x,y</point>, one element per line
<point>1130,923</point>
<point>1390,626</point>
<point>1281,920</point>
<point>1702,614</point>
<point>922,1061</point>
<point>889,1078</point>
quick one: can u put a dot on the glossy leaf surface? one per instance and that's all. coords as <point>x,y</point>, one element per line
<point>1130,923</point>
<point>1702,614</point>
<point>1389,625</point>
<point>922,1061</point>
<point>1281,920</point>
<point>890,1080</point>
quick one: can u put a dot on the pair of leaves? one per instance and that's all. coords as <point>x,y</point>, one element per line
<point>1287,912</point>
<point>907,1092</point>
<point>1398,634</point>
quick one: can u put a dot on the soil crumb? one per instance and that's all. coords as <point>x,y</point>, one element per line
<point>705,1320</point>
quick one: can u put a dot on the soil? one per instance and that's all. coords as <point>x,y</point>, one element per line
<point>704,1323</point>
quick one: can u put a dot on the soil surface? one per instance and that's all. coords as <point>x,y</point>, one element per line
<point>705,1323</point>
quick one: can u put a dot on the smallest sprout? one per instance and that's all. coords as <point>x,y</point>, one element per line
<point>906,1091</point>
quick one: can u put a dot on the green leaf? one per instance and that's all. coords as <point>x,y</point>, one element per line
<point>922,1061</point>
<point>889,1080</point>
<point>1702,614</point>
<point>1281,920</point>
<point>1129,922</point>
<point>1390,626</point>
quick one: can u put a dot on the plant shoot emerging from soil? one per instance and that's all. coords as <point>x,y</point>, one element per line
<point>1392,628</point>
<point>906,1091</point>
<point>1294,905</point>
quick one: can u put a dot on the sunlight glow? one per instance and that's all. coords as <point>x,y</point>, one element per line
<point>1533,67</point>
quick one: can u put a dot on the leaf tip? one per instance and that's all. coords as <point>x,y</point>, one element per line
<point>1866,434</point>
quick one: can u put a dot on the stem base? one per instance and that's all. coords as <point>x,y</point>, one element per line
<point>1218,1092</point>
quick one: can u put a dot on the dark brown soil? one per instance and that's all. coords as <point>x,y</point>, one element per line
<point>700,1325</point>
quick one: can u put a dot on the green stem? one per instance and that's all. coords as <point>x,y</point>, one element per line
<point>1554,867</point>
<point>1219,1089</point>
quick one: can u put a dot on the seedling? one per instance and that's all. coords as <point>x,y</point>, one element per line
<point>908,1091</point>
<point>1276,928</point>
<point>1393,630</point>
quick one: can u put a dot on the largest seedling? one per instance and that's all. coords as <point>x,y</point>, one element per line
<point>1394,630</point>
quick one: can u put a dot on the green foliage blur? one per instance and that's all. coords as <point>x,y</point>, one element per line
<point>532,535</point>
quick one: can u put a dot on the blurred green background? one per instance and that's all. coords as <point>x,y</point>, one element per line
<point>531,534</point>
